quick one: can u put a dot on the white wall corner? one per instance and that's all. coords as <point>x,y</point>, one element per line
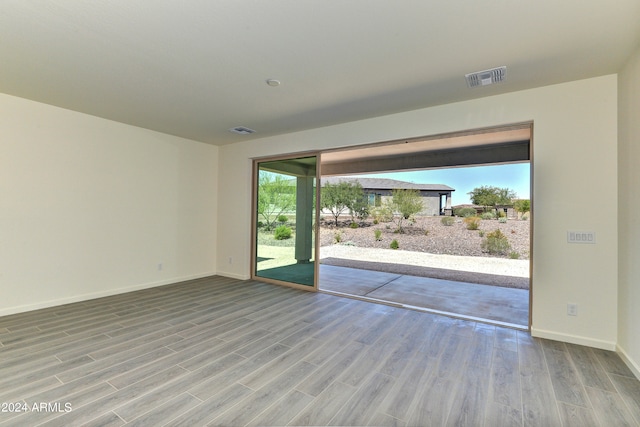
<point>632,364</point>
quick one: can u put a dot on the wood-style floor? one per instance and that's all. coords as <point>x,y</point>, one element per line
<point>219,351</point>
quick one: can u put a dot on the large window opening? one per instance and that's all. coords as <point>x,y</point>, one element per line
<point>465,247</point>
<point>440,223</point>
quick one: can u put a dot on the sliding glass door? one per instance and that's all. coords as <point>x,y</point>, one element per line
<point>285,214</point>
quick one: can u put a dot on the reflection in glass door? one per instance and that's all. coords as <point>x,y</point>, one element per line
<point>285,212</point>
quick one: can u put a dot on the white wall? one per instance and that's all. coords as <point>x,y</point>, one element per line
<point>629,211</point>
<point>575,187</point>
<point>90,207</point>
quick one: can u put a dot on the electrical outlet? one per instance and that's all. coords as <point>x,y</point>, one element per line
<point>572,309</point>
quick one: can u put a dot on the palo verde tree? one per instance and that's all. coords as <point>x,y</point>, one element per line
<point>276,195</point>
<point>359,204</point>
<point>488,196</point>
<point>342,197</point>
<point>522,205</point>
<point>404,204</point>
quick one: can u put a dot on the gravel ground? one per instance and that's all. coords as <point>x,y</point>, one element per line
<point>429,235</point>
<point>430,249</point>
<point>427,248</point>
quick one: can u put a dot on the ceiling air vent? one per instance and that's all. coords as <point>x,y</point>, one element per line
<point>241,130</point>
<point>486,77</point>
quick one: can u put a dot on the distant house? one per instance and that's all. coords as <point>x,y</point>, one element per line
<point>436,197</point>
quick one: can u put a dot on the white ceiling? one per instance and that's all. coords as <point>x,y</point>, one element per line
<point>196,68</point>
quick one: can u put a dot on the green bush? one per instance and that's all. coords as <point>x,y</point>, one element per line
<point>337,237</point>
<point>394,244</point>
<point>514,255</point>
<point>465,212</point>
<point>496,243</point>
<point>488,215</point>
<point>378,234</point>
<point>472,222</point>
<point>282,218</point>
<point>502,220</point>
<point>282,232</point>
<point>354,225</point>
<point>447,220</point>
<point>481,233</point>
<point>382,214</point>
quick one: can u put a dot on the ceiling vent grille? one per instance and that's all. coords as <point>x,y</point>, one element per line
<point>241,130</point>
<point>486,77</point>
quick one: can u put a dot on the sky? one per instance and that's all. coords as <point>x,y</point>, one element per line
<point>516,177</point>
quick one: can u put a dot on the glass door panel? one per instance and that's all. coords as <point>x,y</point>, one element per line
<point>285,215</point>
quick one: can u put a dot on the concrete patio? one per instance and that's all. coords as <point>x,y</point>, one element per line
<point>505,306</point>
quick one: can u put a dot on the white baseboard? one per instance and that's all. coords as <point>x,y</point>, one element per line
<point>574,339</point>
<point>635,367</point>
<point>85,297</point>
<point>234,275</point>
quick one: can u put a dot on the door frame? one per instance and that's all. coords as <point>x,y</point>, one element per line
<point>254,219</point>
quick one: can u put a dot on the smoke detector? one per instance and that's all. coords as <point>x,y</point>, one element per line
<point>486,77</point>
<point>241,130</point>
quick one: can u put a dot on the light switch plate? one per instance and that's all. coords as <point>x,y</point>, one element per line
<point>588,237</point>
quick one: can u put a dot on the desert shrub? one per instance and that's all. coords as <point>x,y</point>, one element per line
<point>514,255</point>
<point>394,244</point>
<point>502,220</point>
<point>337,237</point>
<point>472,222</point>
<point>447,220</point>
<point>282,218</point>
<point>426,232</point>
<point>481,233</point>
<point>377,234</point>
<point>405,204</point>
<point>496,243</point>
<point>465,212</point>
<point>282,232</point>
<point>502,214</point>
<point>354,225</point>
<point>488,215</point>
<point>382,214</point>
